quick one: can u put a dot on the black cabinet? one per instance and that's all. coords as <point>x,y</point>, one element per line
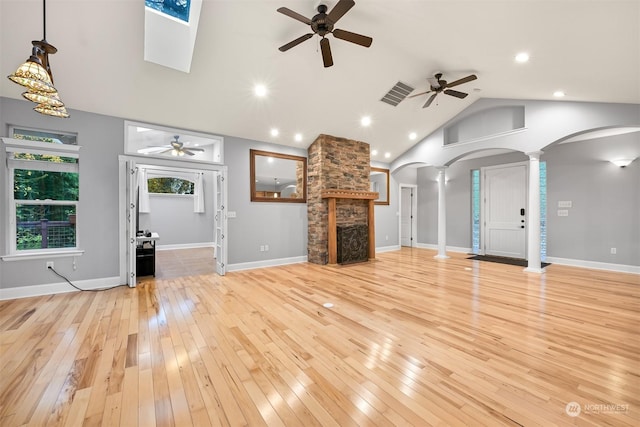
<point>146,258</point>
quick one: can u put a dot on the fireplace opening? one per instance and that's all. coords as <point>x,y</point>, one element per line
<point>353,243</point>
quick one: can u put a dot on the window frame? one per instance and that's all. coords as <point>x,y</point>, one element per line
<point>14,145</point>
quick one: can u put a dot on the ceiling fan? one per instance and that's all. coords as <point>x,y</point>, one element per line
<point>175,147</point>
<point>322,24</point>
<point>438,85</point>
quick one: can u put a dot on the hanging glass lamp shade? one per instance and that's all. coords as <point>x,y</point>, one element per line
<point>31,74</point>
<point>52,111</point>
<point>51,99</point>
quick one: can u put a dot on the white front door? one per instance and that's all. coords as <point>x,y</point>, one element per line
<point>505,202</point>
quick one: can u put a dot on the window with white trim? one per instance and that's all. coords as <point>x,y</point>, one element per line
<point>43,193</point>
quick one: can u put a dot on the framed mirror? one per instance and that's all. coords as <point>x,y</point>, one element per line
<point>379,179</point>
<point>278,177</point>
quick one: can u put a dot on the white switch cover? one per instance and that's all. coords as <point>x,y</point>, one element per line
<point>563,212</point>
<point>564,203</point>
<point>231,214</point>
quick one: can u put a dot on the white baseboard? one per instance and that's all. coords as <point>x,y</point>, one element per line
<point>57,288</point>
<point>621,268</point>
<point>185,246</point>
<point>388,248</point>
<point>449,248</point>
<point>266,263</point>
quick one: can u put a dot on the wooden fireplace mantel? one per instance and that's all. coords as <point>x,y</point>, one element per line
<point>332,195</point>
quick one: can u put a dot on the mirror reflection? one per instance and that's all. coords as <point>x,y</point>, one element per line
<point>278,177</point>
<point>379,179</point>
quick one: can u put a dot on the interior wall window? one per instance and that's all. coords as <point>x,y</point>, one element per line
<point>43,177</point>
<point>169,185</point>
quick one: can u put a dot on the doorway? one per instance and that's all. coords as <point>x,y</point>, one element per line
<point>504,195</point>
<point>408,208</point>
<point>129,213</point>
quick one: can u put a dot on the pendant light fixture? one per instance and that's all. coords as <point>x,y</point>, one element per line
<point>35,74</point>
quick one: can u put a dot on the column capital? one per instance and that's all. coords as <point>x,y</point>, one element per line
<point>534,155</point>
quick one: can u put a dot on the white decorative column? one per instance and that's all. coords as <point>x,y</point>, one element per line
<point>442,214</point>
<point>533,214</point>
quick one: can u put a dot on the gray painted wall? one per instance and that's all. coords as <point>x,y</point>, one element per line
<point>281,226</point>
<point>605,198</point>
<point>101,139</point>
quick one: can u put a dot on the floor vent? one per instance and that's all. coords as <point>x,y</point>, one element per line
<point>397,93</point>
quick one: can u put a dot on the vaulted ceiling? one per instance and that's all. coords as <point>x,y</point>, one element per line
<point>590,50</point>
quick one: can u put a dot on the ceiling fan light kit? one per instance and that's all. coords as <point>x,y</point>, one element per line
<point>437,85</point>
<point>35,74</point>
<point>323,24</point>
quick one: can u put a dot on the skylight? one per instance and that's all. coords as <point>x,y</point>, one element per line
<point>176,8</point>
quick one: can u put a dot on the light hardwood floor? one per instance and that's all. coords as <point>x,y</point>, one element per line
<point>410,340</point>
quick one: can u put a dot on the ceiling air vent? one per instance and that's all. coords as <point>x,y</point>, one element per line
<point>397,93</point>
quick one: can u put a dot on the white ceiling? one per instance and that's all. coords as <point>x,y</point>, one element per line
<point>588,49</point>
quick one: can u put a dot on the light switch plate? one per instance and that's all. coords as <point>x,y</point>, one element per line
<point>563,212</point>
<point>564,203</point>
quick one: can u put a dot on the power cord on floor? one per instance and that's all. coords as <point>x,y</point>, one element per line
<point>80,289</point>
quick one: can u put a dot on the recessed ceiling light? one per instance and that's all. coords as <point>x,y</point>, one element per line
<point>522,57</point>
<point>387,155</point>
<point>374,152</point>
<point>275,132</point>
<point>260,90</point>
<point>365,121</point>
<point>413,136</point>
<point>298,137</point>
<point>558,94</point>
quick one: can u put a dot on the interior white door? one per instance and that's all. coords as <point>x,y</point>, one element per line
<point>132,224</point>
<point>505,201</point>
<point>406,216</point>
<point>221,222</point>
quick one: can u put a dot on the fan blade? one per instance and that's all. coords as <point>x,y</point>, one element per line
<point>295,15</point>
<point>326,52</point>
<point>167,151</point>
<point>188,152</point>
<point>340,9</point>
<point>430,100</point>
<point>296,42</point>
<point>193,149</point>
<point>352,37</point>
<point>455,93</point>
<point>418,94</point>
<point>463,80</point>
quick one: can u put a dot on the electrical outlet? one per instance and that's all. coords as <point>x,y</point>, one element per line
<point>266,248</point>
<point>261,248</point>
<point>613,251</point>
<point>50,265</point>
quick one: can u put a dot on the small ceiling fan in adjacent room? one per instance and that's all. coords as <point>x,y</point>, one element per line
<point>175,147</point>
<point>438,85</point>
<point>323,24</point>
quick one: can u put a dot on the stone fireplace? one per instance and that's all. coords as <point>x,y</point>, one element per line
<point>338,194</point>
